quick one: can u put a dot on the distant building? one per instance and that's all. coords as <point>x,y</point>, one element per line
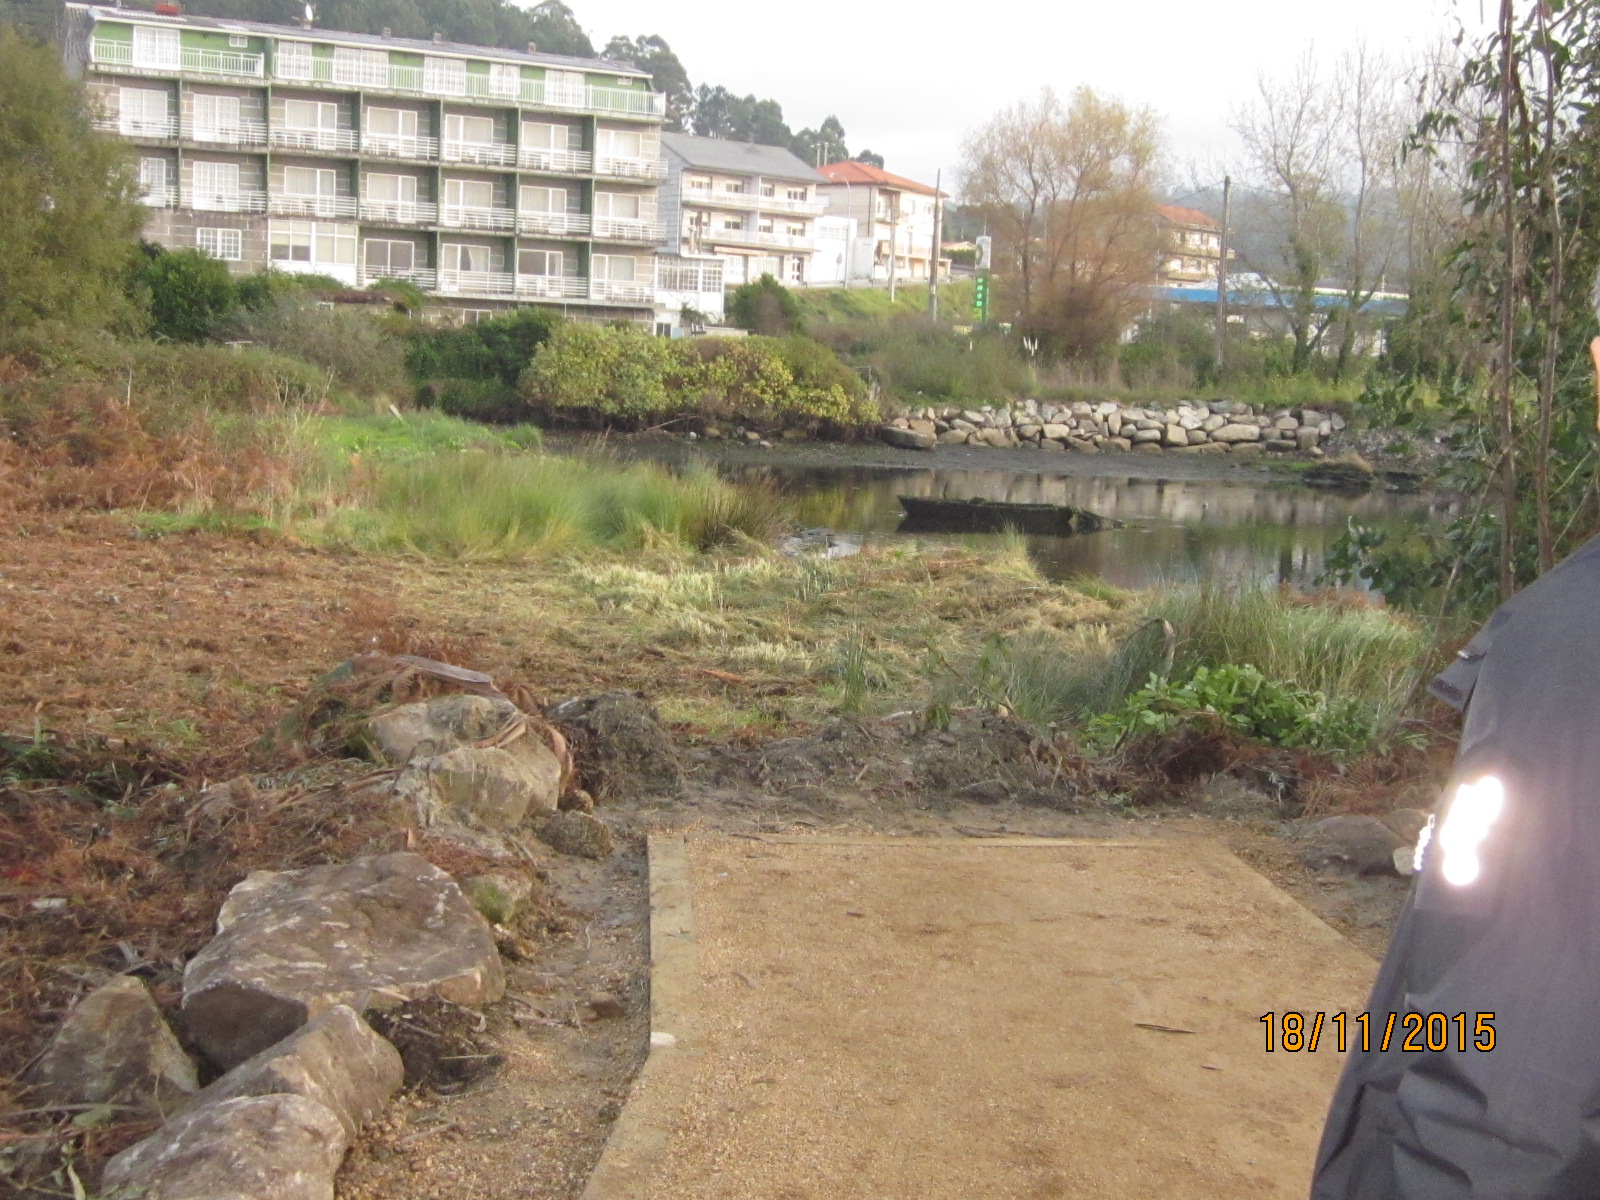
<point>487,177</point>
<point>754,208</point>
<point>894,219</point>
<point>836,243</point>
<point>1191,247</point>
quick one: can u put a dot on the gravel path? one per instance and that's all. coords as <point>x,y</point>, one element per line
<point>936,1018</point>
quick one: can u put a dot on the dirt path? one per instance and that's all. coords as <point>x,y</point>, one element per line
<point>931,1018</point>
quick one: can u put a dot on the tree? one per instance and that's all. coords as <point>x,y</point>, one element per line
<point>871,159</point>
<point>71,215</point>
<point>764,306</point>
<point>184,292</point>
<point>1069,193</point>
<point>821,145</point>
<point>719,113</point>
<point>667,74</point>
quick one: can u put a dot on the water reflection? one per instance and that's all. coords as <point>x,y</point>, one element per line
<point>1176,530</point>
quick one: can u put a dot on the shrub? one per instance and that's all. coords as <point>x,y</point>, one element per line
<point>184,292</point>
<point>765,307</point>
<point>352,346</point>
<point>499,349</point>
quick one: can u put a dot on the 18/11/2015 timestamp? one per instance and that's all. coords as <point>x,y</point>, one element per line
<point>1412,1032</point>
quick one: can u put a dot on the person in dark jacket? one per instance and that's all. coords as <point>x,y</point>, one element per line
<point>1500,936</point>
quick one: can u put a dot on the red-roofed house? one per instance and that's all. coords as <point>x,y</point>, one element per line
<point>1193,247</point>
<point>894,221</point>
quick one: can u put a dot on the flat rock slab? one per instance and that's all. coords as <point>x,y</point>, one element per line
<point>932,1019</point>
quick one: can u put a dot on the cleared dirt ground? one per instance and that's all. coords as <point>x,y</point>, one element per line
<point>937,1018</point>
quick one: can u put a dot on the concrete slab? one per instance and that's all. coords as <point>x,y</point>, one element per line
<point>870,1019</point>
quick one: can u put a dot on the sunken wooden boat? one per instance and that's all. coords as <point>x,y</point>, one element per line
<point>925,514</point>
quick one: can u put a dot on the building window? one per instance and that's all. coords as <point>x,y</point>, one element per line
<point>735,224</point>
<point>734,186</point>
<point>293,60</point>
<point>765,227</point>
<point>542,136</point>
<point>466,258</point>
<point>153,180</point>
<point>477,130</point>
<point>619,206</point>
<point>392,122</point>
<point>155,48</point>
<point>215,185</point>
<point>319,116</point>
<point>226,244</point>
<point>540,262</point>
<point>469,193</point>
<point>237,41</point>
<point>216,116</point>
<point>471,316</point>
<point>769,189</point>
<point>505,79</point>
<point>311,242</point>
<point>310,181</point>
<point>699,183</point>
<point>797,194</point>
<point>797,269</point>
<point>797,231</point>
<point>384,257</point>
<point>391,189</point>
<point>621,143</point>
<point>446,76</point>
<point>544,199</point>
<point>144,112</point>
<point>563,87</point>
<point>615,267</point>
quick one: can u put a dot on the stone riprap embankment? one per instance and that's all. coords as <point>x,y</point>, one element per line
<point>1092,427</point>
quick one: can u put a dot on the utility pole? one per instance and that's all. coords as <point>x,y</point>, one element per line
<point>933,258</point>
<point>1222,276</point>
<point>894,241</point>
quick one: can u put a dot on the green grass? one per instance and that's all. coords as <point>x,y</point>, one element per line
<point>872,303</point>
<point>484,506</point>
<point>413,435</point>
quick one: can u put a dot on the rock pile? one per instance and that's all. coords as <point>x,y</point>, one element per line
<point>1214,427</point>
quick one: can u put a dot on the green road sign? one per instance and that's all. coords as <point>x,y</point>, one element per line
<point>980,297</point>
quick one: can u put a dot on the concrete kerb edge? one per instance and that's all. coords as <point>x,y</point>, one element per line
<point>639,1137</point>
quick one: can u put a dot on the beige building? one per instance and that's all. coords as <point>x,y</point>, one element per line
<point>1191,247</point>
<point>894,222</point>
<point>487,177</point>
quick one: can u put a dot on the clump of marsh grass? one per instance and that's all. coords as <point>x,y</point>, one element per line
<point>485,506</point>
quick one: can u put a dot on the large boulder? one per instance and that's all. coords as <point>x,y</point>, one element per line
<point>577,833</point>
<point>336,1060</point>
<point>1359,844</point>
<point>1237,433</point>
<point>908,439</point>
<point>372,932</point>
<point>114,1048</point>
<point>438,726</point>
<point>491,788</point>
<point>281,1147</point>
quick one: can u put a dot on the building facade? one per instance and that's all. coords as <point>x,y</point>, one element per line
<point>753,208</point>
<point>487,177</point>
<point>1191,247</point>
<point>894,219</point>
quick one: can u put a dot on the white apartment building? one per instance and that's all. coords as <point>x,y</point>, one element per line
<point>754,208</point>
<point>894,220</point>
<point>1191,247</point>
<point>487,177</point>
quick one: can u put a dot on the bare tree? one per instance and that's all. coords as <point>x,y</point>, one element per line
<point>1070,192</point>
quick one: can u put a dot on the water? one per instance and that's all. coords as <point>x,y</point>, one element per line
<point>1176,530</point>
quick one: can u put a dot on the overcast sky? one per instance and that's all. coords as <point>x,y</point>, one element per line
<point>908,80</point>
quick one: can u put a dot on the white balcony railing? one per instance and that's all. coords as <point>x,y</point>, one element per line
<point>477,283</point>
<point>552,287</point>
<point>291,138</point>
<point>287,204</point>
<point>557,162</point>
<point>399,212</point>
<point>631,168</point>
<point>749,201</point>
<point>138,127</point>
<point>494,153</point>
<point>159,197</point>
<point>626,102</point>
<point>424,277</point>
<point>752,237</point>
<point>241,133</point>
<point>549,222</point>
<point>461,216</point>
<point>188,61</point>
<point>614,230</point>
<point>224,201</point>
<point>617,290</point>
<point>389,146</point>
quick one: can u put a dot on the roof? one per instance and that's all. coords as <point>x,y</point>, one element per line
<point>850,171</point>
<point>737,158</point>
<point>1186,216</point>
<point>345,38</point>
